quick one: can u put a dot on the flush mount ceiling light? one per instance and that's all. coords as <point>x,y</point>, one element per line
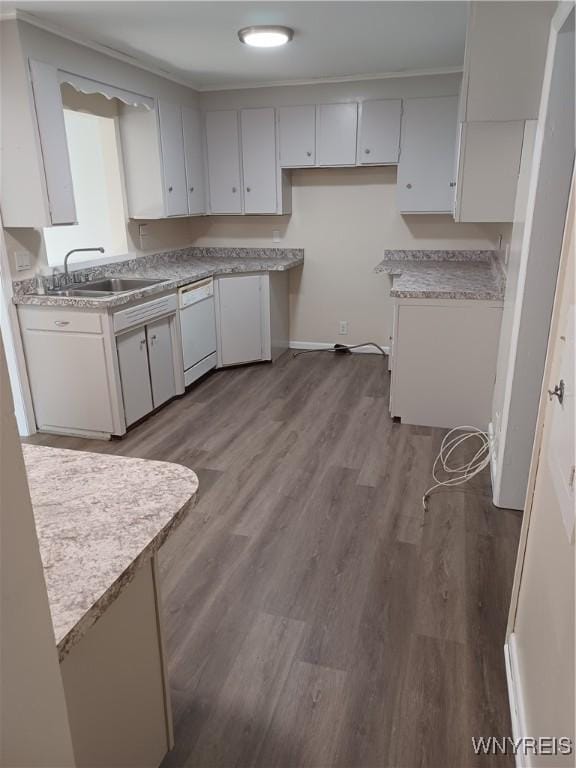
<point>266,37</point>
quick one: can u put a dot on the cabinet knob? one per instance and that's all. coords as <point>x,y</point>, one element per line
<point>408,186</point>
<point>143,344</point>
<point>308,154</point>
<point>191,189</point>
<point>153,338</point>
<point>234,190</point>
<point>247,189</point>
<point>170,189</point>
<point>366,151</point>
<point>452,183</point>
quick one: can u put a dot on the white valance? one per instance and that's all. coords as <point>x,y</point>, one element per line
<point>86,85</point>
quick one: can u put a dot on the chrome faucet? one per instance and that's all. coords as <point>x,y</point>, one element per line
<point>77,250</point>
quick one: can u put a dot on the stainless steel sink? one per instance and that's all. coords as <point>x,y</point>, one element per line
<point>119,284</point>
<point>105,287</point>
<point>80,292</point>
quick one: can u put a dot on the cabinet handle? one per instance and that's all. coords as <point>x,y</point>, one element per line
<point>170,189</point>
<point>366,151</point>
<point>152,338</point>
<point>61,323</point>
<point>408,186</point>
<point>452,183</point>
<point>308,154</point>
<point>143,344</point>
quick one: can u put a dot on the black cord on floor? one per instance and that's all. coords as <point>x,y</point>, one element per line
<point>341,349</point>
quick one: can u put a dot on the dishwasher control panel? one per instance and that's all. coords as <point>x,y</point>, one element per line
<point>195,292</point>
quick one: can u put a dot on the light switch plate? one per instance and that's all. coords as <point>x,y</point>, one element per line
<point>22,260</point>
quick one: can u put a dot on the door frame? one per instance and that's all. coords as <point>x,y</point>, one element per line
<point>514,680</point>
<point>13,347</point>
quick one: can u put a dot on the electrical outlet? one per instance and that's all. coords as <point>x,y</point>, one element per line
<point>507,254</point>
<point>343,331</point>
<point>143,235</point>
<point>22,260</point>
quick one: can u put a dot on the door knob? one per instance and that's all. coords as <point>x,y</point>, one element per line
<point>558,392</point>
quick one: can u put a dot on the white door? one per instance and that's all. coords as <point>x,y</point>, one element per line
<point>52,131</point>
<point>174,174</point>
<point>161,361</point>
<point>541,643</point>
<point>259,160</point>
<point>379,131</point>
<point>240,319</point>
<point>198,331</point>
<point>134,374</point>
<point>426,169</point>
<point>336,134</point>
<point>194,160</point>
<point>297,128</point>
<point>222,142</point>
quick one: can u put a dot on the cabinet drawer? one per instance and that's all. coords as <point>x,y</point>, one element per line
<point>34,319</point>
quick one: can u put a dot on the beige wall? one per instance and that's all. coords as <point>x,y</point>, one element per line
<point>343,219</point>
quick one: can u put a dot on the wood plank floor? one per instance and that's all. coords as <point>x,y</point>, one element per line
<point>315,616</point>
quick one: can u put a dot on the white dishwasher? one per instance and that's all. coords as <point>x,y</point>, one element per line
<point>198,326</point>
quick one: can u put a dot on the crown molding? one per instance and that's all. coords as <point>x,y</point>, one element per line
<point>167,75</point>
<point>126,58</point>
<point>336,79</point>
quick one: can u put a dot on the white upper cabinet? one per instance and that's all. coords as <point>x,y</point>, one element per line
<point>52,131</point>
<point>223,147</point>
<point>426,169</point>
<point>259,160</point>
<point>174,174</point>
<point>379,132</point>
<point>162,151</point>
<point>489,165</point>
<point>297,129</point>
<point>194,160</point>
<point>336,126</point>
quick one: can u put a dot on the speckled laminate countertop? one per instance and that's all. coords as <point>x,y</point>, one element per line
<point>99,518</point>
<point>444,274</point>
<point>175,268</point>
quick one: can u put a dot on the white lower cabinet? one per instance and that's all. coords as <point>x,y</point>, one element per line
<point>161,361</point>
<point>444,361</point>
<point>251,317</point>
<point>134,374</point>
<point>90,377</point>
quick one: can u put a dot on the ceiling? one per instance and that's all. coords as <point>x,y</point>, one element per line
<point>198,43</point>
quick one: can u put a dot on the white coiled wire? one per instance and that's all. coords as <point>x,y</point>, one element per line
<point>460,473</point>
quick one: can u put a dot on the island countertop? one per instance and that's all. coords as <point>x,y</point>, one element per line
<point>98,518</point>
<point>444,274</point>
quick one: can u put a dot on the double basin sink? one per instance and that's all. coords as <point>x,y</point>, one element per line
<point>107,286</point>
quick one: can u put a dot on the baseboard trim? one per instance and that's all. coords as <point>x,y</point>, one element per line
<point>364,350</point>
<point>516,700</point>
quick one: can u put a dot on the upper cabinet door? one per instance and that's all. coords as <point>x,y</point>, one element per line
<point>379,132</point>
<point>259,160</point>
<point>52,130</point>
<point>174,175</point>
<point>194,160</point>
<point>336,134</point>
<point>222,142</point>
<point>426,169</point>
<point>297,128</point>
